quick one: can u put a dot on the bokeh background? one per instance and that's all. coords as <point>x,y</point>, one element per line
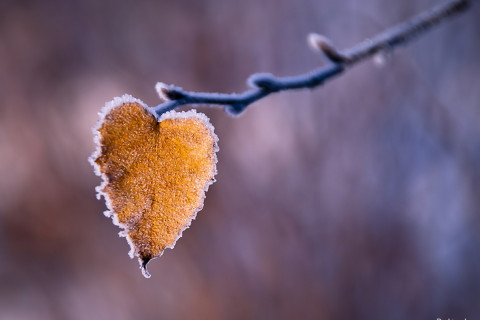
<point>357,200</point>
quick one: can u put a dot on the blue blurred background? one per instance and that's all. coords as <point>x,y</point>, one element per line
<point>357,200</point>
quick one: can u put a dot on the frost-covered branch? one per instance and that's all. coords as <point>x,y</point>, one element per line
<point>264,84</point>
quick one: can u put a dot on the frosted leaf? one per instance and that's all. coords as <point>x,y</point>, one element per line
<point>155,173</point>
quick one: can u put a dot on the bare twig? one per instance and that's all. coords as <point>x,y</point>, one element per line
<point>264,84</point>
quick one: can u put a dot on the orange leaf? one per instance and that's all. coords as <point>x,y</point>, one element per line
<point>155,173</point>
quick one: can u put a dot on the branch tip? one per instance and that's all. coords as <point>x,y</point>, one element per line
<point>168,92</point>
<point>321,43</point>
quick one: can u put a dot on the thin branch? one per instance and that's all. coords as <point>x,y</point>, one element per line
<point>264,84</point>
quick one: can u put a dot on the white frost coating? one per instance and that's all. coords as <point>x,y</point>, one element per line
<point>202,117</point>
<point>159,87</point>
<point>107,108</point>
<point>117,102</point>
<point>206,121</point>
<point>315,41</point>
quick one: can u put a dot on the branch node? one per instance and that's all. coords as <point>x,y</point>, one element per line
<point>321,43</point>
<point>266,81</point>
<point>234,110</point>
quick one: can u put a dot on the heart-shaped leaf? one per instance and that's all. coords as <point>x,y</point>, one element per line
<point>155,172</point>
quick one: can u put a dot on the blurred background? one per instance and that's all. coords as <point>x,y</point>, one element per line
<point>357,200</point>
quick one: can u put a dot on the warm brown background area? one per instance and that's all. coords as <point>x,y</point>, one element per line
<point>358,200</point>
